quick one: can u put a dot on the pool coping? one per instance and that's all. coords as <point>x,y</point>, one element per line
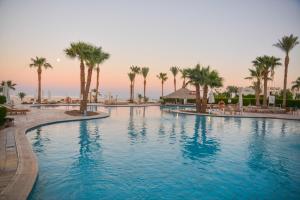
<point>22,183</point>
<point>250,115</point>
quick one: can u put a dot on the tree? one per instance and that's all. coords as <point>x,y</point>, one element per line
<point>136,70</point>
<point>296,84</point>
<point>95,56</point>
<point>163,77</point>
<point>89,56</point>
<point>131,77</point>
<point>210,79</point>
<point>10,84</point>
<point>80,51</point>
<point>184,76</point>
<point>174,71</point>
<point>256,76</point>
<point>195,76</point>
<point>286,44</point>
<point>99,60</point>
<point>145,71</point>
<point>21,95</point>
<point>267,64</point>
<point>39,63</point>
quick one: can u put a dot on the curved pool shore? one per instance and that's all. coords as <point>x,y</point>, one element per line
<point>19,167</point>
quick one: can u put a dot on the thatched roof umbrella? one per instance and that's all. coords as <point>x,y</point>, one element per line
<point>182,93</point>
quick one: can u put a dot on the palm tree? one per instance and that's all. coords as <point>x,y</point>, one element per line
<point>256,74</point>
<point>95,56</point>
<point>184,76</point>
<point>296,84</point>
<point>136,70</point>
<point>79,50</point>
<point>100,59</point>
<point>131,77</point>
<point>195,76</point>
<point>286,44</point>
<point>39,63</point>
<point>21,95</point>
<point>174,71</point>
<point>211,79</point>
<point>145,71</point>
<point>163,77</point>
<point>267,65</point>
<point>10,84</point>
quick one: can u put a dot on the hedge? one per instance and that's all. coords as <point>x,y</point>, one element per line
<point>2,115</point>
<point>2,99</point>
<point>246,101</point>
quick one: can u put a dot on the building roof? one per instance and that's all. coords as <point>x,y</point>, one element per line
<point>182,93</point>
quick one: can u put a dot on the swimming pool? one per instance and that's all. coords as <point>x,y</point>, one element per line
<point>144,153</point>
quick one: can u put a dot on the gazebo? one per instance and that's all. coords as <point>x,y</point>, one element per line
<point>181,94</point>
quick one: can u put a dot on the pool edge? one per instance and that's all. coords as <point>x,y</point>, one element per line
<point>22,183</point>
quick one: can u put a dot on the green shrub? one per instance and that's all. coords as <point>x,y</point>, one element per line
<point>2,99</point>
<point>246,101</point>
<point>2,115</point>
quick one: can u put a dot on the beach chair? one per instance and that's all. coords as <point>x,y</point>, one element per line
<point>15,111</point>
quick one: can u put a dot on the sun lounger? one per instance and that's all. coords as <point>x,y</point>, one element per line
<point>15,111</point>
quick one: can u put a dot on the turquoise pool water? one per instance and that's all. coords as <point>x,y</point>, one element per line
<point>143,153</point>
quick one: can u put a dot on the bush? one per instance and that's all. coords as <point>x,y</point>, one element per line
<point>2,99</point>
<point>2,115</point>
<point>246,101</point>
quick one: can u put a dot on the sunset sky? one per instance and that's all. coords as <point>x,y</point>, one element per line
<point>227,35</point>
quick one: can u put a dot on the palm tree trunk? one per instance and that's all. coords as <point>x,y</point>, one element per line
<point>39,71</point>
<point>133,90</point>
<point>82,84</point>
<point>97,85</point>
<point>162,89</point>
<point>87,88</point>
<point>183,84</point>
<point>265,90</point>
<point>130,99</point>
<point>144,89</point>
<point>174,84</point>
<point>204,99</point>
<point>257,91</point>
<point>286,64</point>
<point>198,99</point>
<point>82,78</point>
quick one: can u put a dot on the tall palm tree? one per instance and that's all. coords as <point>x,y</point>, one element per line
<point>10,84</point>
<point>163,77</point>
<point>174,71</point>
<point>100,59</point>
<point>211,79</point>
<point>184,76</point>
<point>256,75</point>
<point>286,44</point>
<point>195,76</point>
<point>80,51</point>
<point>39,63</point>
<point>131,77</point>
<point>95,55</point>
<point>267,64</point>
<point>296,84</point>
<point>136,70</point>
<point>145,71</point>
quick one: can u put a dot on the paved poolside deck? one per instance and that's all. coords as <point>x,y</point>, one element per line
<point>18,163</point>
